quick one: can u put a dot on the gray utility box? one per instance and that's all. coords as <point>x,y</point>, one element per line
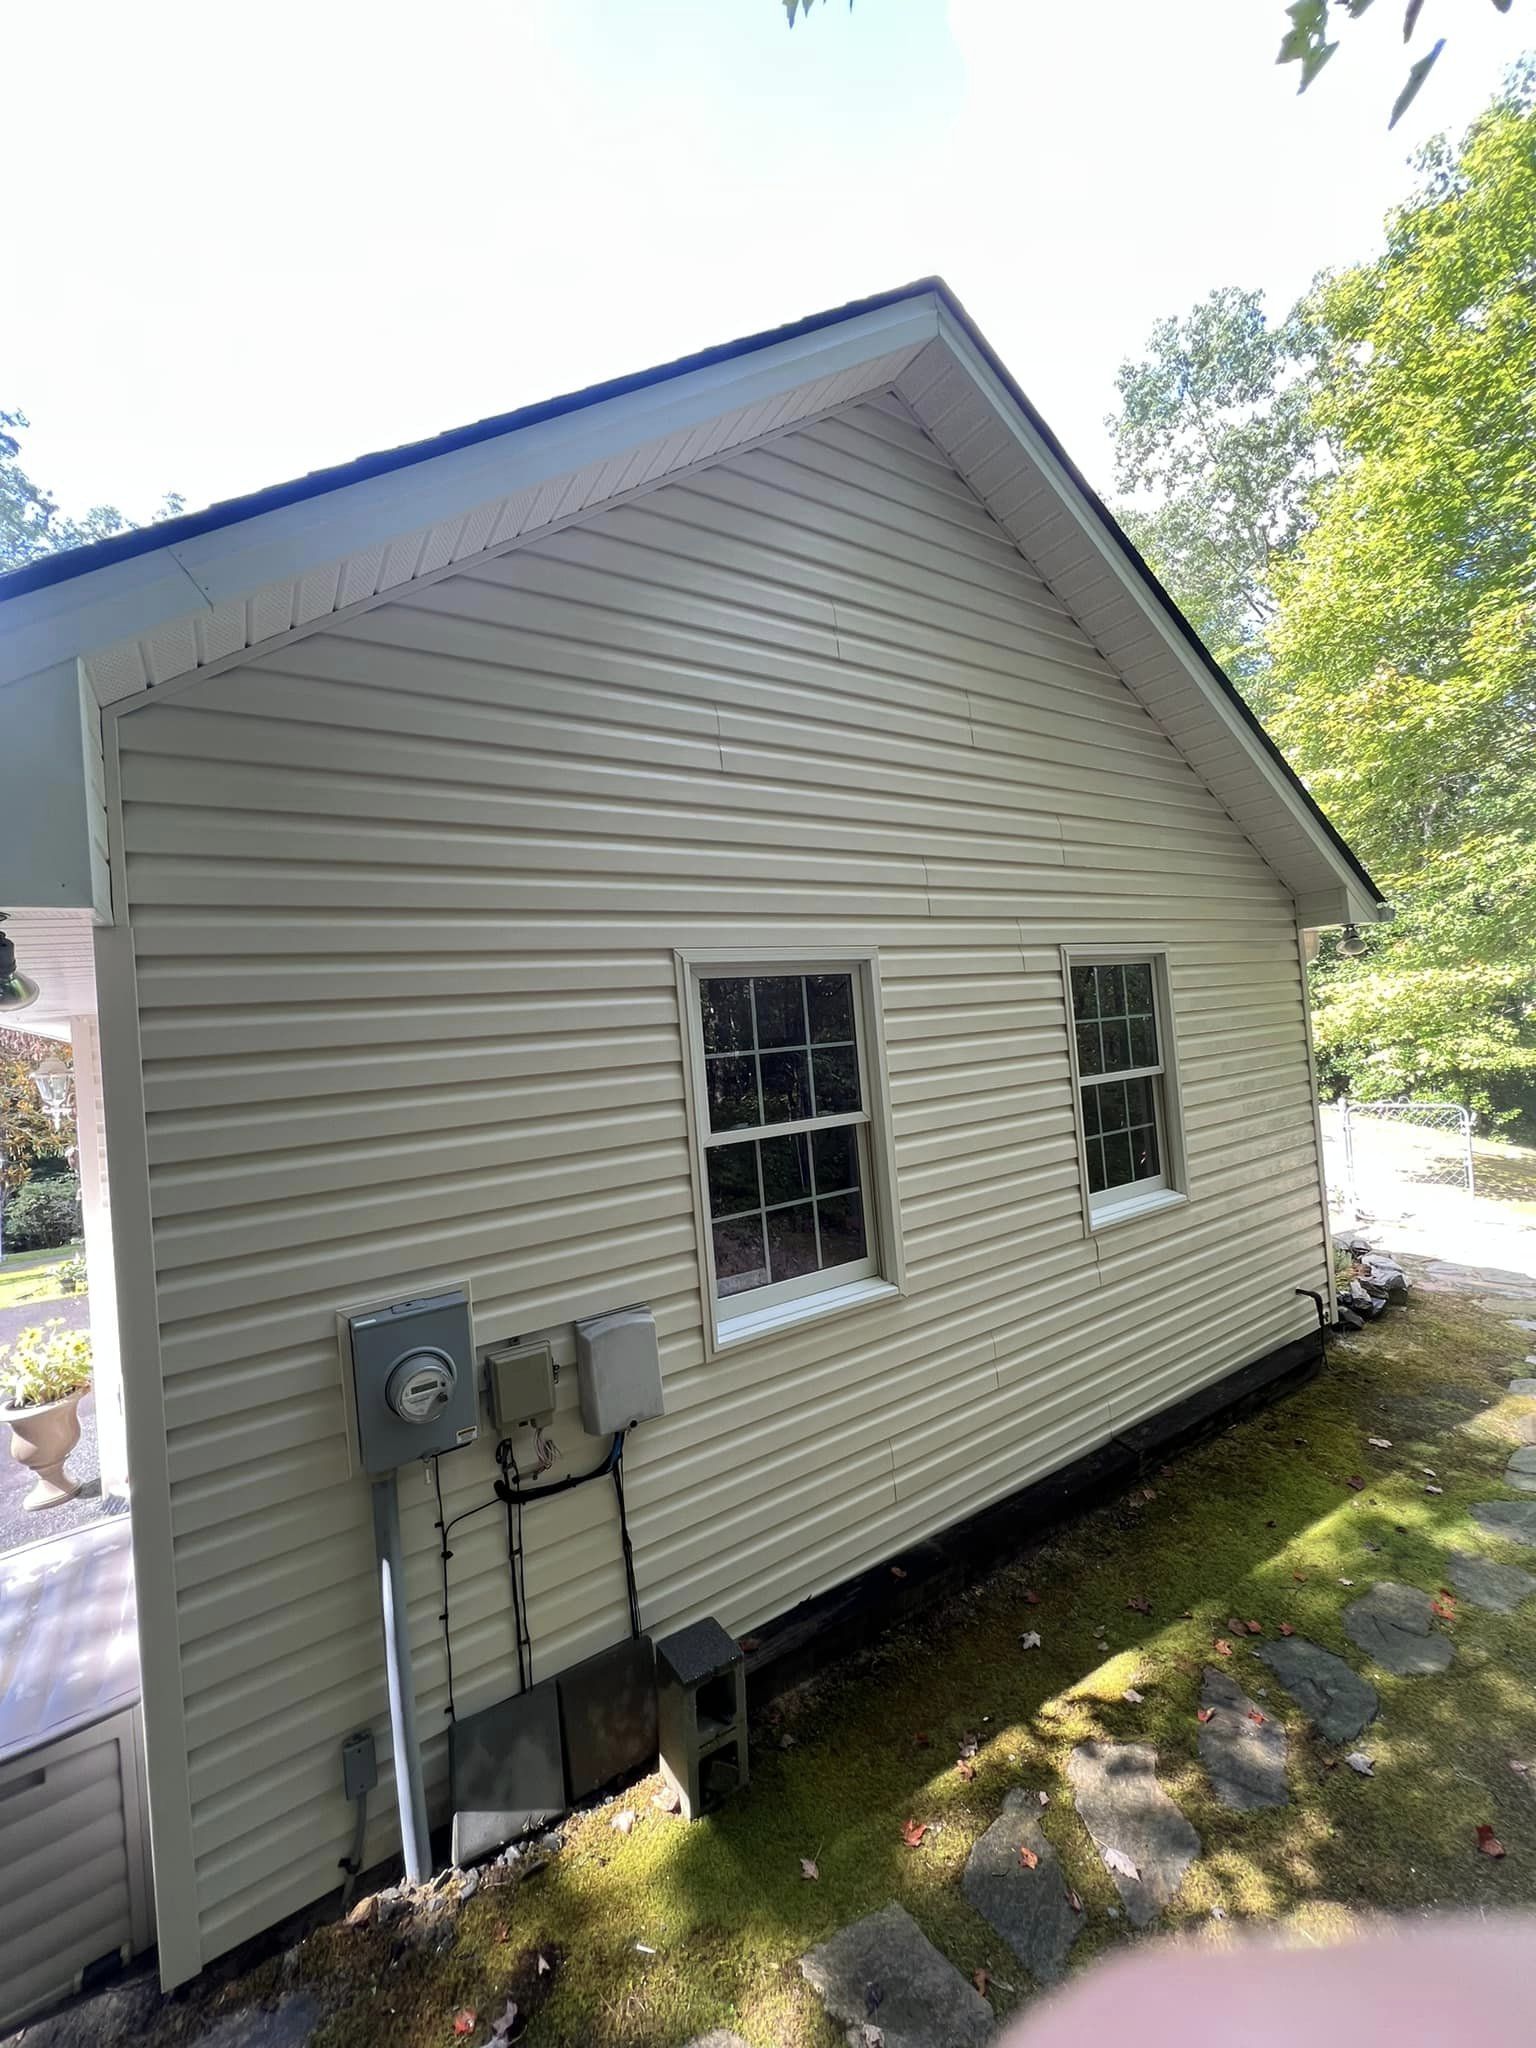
<point>413,1379</point>
<point>701,1715</point>
<point>618,1362</point>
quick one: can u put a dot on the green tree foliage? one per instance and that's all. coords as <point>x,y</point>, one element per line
<point>1404,646</point>
<point>1215,438</point>
<point>1345,504</point>
<point>31,523</point>
<point>26,1135</point>
<point>1307,42</point>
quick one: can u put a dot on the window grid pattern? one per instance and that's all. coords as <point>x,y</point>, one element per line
<point>1114,1017</point>
<point>782,1049</point>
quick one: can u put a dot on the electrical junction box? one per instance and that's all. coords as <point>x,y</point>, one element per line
<point>618,1362</point>
<point>413,1379</point>
<point>521,1378</point>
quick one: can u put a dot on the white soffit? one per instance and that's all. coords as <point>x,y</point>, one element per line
<point>56,949</point>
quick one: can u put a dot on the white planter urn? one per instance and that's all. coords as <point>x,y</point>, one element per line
<point>41,1439</point>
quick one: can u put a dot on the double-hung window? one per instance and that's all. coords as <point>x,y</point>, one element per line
<point>1126,1086</point>
<point>790,1137</point>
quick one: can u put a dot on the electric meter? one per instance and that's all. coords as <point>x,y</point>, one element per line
<point>413,1379</point>
<point>420,1386</point>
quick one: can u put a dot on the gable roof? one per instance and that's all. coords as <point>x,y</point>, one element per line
<point>164,601</point>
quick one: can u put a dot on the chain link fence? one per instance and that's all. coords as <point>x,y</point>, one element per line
<point>1394,1161</point>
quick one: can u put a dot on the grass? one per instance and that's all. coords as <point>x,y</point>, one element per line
<point>671,1930</point>
<point>32,1276</point>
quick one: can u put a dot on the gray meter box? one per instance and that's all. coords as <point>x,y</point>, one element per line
<point>413,1379</point>
<point>618,1363</point>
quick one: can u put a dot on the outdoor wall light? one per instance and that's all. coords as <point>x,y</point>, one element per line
<point>1351,945</point>
<point>52,1081</point>
<point>16,990</point>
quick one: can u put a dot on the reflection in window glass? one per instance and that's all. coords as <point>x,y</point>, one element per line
<point>1119,1068</point>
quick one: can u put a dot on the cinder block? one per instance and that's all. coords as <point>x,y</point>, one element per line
<point>701,1715</point>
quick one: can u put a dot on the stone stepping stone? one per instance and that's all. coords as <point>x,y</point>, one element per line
<point>1395,1626</point>
<point>719,2037</point>
<point>1515,1519</point>
<point>1244,1757</point>
<point>1520,1472</point>
<point>1523,1387</point>
<point>1498,1587</point>
<point>1029,1908</point>
<point>1333,1696</point>
<point>1130,1816</point>
<point>884,1972</point>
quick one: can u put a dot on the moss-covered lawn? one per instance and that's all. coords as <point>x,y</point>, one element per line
<point>670,1930</point>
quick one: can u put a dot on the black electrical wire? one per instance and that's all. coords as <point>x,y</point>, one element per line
<point>628,1547</point>
<point>511,1494</point>
<point>444,1554</point>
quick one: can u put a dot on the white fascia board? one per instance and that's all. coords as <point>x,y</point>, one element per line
<point>958,342</point>
<point>127,599</point>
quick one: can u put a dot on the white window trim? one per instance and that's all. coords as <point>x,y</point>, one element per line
<point>1170,1188</point>
<point>774,1311</point>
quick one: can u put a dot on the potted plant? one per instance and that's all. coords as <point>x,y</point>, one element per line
<point>42,1376</point>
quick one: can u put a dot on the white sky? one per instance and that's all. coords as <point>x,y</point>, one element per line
<point>246,241</point>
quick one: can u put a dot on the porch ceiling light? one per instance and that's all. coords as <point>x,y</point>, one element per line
<point>17,991</point>
<point>1351,945</point>
<point>52,1082</point>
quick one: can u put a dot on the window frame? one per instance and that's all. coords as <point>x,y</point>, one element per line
<point>784,1305</point>
<point>1169,1188</point>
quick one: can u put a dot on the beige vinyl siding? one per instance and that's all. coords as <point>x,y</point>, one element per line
<point>404,898</point>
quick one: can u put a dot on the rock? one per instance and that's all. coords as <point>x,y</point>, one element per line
<point>1515,1519</point>
<point>923,2001</point>
<point>1335,1699</point>
<point>1498,1587</point>
<point>1244,1757</point>
<point>1520,1472</point>
<point>120,2013</point>
<point>1028,1908</point>
<point>719,2037</point>
<point>1394,1625</point>
<point>1131,1817</point>
<point>287,2024</point>
<point>1524,1387</point>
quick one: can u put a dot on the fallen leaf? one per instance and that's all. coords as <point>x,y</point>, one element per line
<point>1204,1714</point>
<point>1300,1578</point>
<point>966,1769</point>
<point>1286,1629</point>
<point>1359,1761</point>
<point>1434,1489</point>
<point>1487,1841</point>
<point>912,1834</point>
<point>623,1821</point>
<point>1074,1901</point>
<point>1116,1859</point>
<point>922,1740</point>
<point>1255,1715</point>
<point>1380,1443</point>
<point>1030,1640</point>
<point>1446,1609</point>
<point>667,1801</point>
<point>897,1572</point>
<point>1223,1647</point>
<point>1027,1857</point>
<point>982,1979</point>
<point>362,1912</point>
<point>1255,1628</point>
<point>1355,1483</point>
<point>1517,1764</point>
<point>750,1643</point>
<point>808,1868</point>
<point>1235,1625</point>
<point>464,2022</point>
<point>543,1963</point>
<point>1139,1605</point>
<point>1132,1697</point>
<point>1031,1599</point>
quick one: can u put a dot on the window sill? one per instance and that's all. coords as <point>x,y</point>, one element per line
<point>811,1308</point>
<point>1107,1214</point>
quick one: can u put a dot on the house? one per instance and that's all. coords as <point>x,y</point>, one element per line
<point>751,839</point>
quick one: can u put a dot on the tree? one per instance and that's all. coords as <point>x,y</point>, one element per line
<point>1306,43</point>
<point>1404,647</point>
<point>1215,437</point>
<point>26,1135</point>
<point>31,523</point>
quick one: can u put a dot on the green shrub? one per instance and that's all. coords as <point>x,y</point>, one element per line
<point>45,1363</point>
<point>41,1215</point>
<point>72,1275</point>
